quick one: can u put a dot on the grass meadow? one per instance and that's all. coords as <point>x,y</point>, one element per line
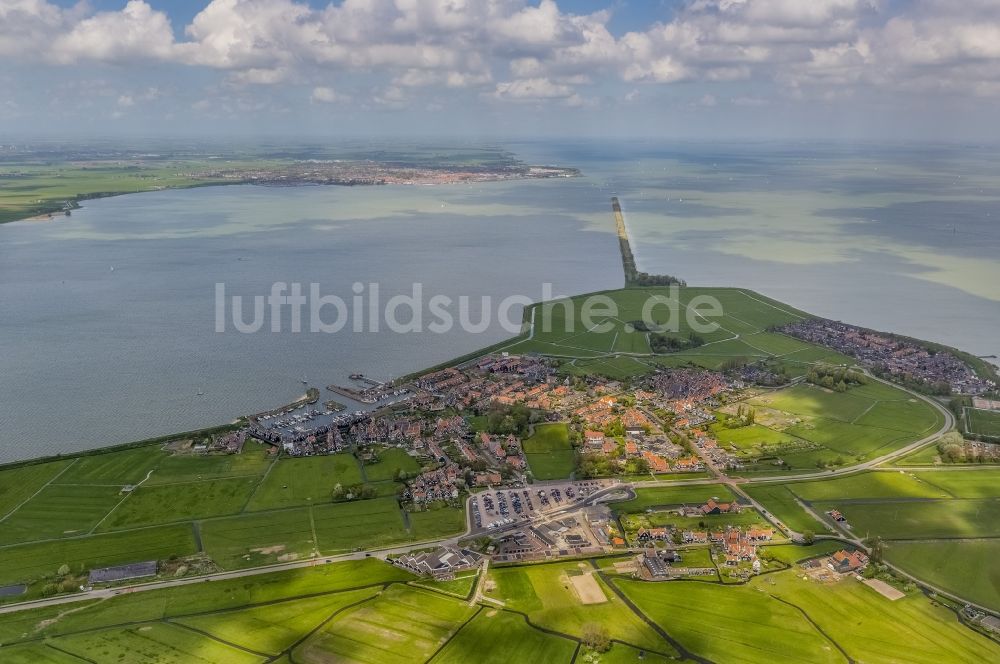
<point>550,455</point>
<point>546,594</point>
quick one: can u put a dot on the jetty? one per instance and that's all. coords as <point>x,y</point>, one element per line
<point>628,260</point>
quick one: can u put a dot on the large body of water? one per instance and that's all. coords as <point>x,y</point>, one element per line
<point>902,239</point>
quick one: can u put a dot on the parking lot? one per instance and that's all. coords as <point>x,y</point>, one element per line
<point>497,508</point>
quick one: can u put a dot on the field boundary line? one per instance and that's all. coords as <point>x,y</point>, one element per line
<point>71,654</point>
<point>260,481</point>
<point>171,621</point>
<point>815,626</point>
<point>119,503</point>
<point>310,633</point>
<point>784,311</point>
<point>40,489</point>
<point>454,634</point>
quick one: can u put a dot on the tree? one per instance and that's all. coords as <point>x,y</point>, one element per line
<point>808,536</point>
<point>597,637</point>
<point>63,570</point>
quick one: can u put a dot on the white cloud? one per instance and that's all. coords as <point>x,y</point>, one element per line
<point>538,50</point>
<point>324,94</point>
<point>137,31</point>
<point>532,89</point>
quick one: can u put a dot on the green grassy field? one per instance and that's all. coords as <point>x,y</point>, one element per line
<point>253,461</point>
<point>157,504</point>
<point>546,594</point>
<point>632,522</point>
<point>199,598</point>
<point>122,467</point>
<point>273,628</point>
<point>967,568</point>
<point>860,424</point>
<point>390,462</point>
<point>436,523</point>
<point>30,562</point>
<point>19,484</point>
<point>37,653</point>
<point>921,519</point>
<point>262,538</point>
<point>791,554</point>
<point>360,524</point>
<point>668,496</point>
<point>399,626</point>
<point>779,500</point>
<point>550,455</point>
<point>30,189</point>
<point>560,328</point>
<point>59,511</point>
<point>461,585</point>
<point>500,637</point>
<point>985,422</point>
<point>154,642</point>
<point>730,623</point>
<point>867,485</point>
<point>870,628</point>
<point>304,481</point>
<point>979,482</point>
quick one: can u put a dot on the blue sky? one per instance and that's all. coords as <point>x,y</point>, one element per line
<point>921,69</point>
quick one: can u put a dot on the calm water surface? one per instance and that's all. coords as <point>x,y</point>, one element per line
<point>902,239</point>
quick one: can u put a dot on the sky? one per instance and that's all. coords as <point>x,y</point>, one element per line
<point>699,69</point>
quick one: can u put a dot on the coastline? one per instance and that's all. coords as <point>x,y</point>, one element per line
<point>313,394</point>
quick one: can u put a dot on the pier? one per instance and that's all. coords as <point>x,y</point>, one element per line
<point>628,260</point>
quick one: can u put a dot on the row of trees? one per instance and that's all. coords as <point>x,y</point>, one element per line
<point>664,343</point>
<point>838,379</point>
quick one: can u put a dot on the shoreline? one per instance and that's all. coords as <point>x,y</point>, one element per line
<point>459,360</point>
<point>64,207</point>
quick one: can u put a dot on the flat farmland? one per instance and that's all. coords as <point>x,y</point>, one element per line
<point>967,568</point>
<point>911,415</point>
<point>436,523</point>
<point>780,501</point>
<point>972,483</point>
<point>253,539</point>
<point>390,462</point>
<point>20,483</point>
<point>744,312</point>
<point>867,485</point>
<point>59,511</point>
<point>168,503</point>
<point>550,455</point>
<point>199,599</point>
<point>303,481</point>
<point>547,594</point>
<point>667,496</point>
<point>919,519</point>
<point>359,524</point>
<point>275,627</point>
<point>501,637</point>
<point>154,642</point>
<point>37,653</point>
<point>190,468</point>
<point>29,562</point>
<point>753,436</point>
<point>873,629</point>
<point>849,439</point>
<point>123,467</point>
<point>747,517</point>
<point>746,625</point>
<point>805,399</point>
<point>399,626</point>
<point>985,422</point>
